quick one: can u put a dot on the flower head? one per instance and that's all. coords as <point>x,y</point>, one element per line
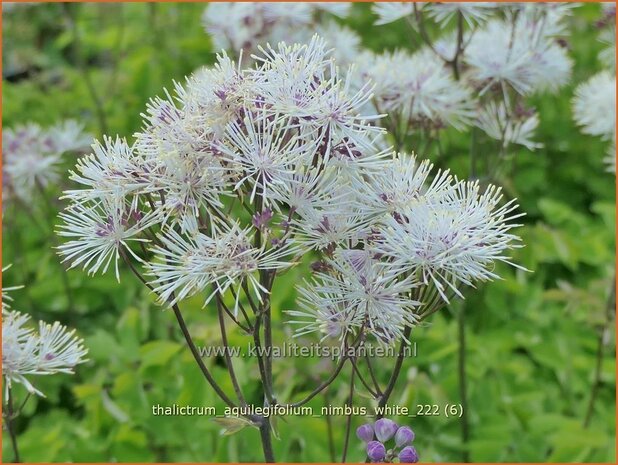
<point>25,352</point>
<point>594,105</point>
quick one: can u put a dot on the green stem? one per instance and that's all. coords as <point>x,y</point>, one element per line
<point>396,371</point>
<point>348,425</point>
<point>10,426</point>
<point>596,384</point>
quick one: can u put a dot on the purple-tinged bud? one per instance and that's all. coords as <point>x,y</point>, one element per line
<point>408,455</point>
<point>376,451</point>
<point>385,429</point>
<point>404,436</point>
<point>260,220</point>
<point>365,432</point>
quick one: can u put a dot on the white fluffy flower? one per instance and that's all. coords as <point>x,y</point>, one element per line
<point>401,185</point>
<point>510,127</point>
<point>340,9</point>
<point>452,240</point>
<point>345,42</point>
<point>99,231</point>
<point>594,105</point>
<point>264,152</point>
<point>388,12</point>
<point>421,89</point>
<point>356,293</point>
<point>53,349</point>
<point>112,170</point>
<point>248,25</point>
<point>520,54</point>
<point>473,13</point>
<point>32,155</point>
<point>69,136</point>
<point>187,266</point>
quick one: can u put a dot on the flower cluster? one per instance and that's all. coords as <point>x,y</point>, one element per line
<point>248,25</point>
<point>25,351</point>
<point>31,155</point>
<point>479,74</point>
<point>378,435</point>
<point>286,142</point>
<point>594,103</point>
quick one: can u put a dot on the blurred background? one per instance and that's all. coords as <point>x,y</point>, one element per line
<point>540,346</point>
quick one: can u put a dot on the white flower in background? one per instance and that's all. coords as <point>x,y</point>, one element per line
<point>247,25</point>
<point>389,12</point>
<point>69,136</point>
<point>607,35</point>
<point>346,43</point>
<point>510,127</point>
<point>32,155</point>
<point>25,352</point>
<point>447,44</point>
<point>421,89</point>
<point>519,53</point>
<point>339,9</point>
<point>52,349</point>
<point>594,105</point>
<point>473,13</point>
<point>547,19</point>
<point>608,55</point>
<point>450,240</point>
<point>234,25</point>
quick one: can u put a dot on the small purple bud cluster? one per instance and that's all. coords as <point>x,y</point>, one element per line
<point>382,431</point>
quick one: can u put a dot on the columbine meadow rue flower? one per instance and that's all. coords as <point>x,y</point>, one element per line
<point>100,232</point>
<point>27,352</point>
<point>247,25</point>
<point>389,12</point>
<point>521,53</point>
<point>594,105</point>
<point>607,35</point>
<point>473,13</point>
<point>184,267</point>
<point>515,127</point>
<point>420,89</point>
<point>450,239</point>
<point>386,431</point>
<point>32,155</point>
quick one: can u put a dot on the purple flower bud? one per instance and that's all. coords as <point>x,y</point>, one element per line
<point>376,451</point>
<point>408,455</point>
<point>404,436</point>
<point>260,220</point>
<point>365,432</point>
<point>385,429</point>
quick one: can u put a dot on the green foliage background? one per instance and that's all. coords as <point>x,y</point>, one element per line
<point>532,337</point>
